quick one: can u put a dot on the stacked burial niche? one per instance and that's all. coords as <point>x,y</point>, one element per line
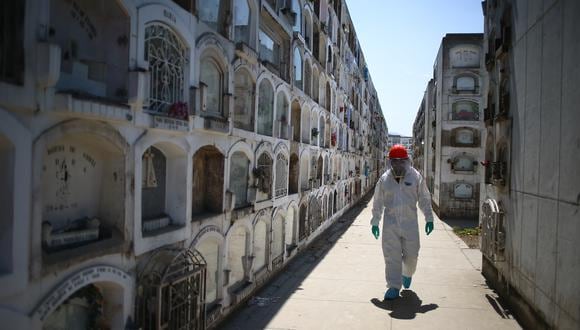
<point>294,174</point>
<point>244,91</point>
<point>261,243</point>
<point>239,172</point>
<point>303,230</point>
<point>238,260</point>
<point>83,189</point>
<point>163,166</point>
<point>94,52</point>
<point>281,186</point>
<point>96,305</point>
<point>210,247</point>
<point>289,229</point>
<point>315,214</point>
<point>208,182</point>
<point>263,177</point>
<point>295,121</point>
<point>278,237</point>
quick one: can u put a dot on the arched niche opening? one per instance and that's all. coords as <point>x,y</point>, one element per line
<point>244,91</point>
<point>93,306</point>
<point>278,241</point>
<point>163,168</point>
<point>304,178</point>
<point>306,126</point>
<point>296,118</point>
<point>208,182</point>
<point>282,127</point>
<point>261,241</point>
<point>303,230</point>
<point>95,54</point>
<point>83,192</point>
<point>319,170</point>
<point>263,174</point>
<point>294,174</point>
<point>289,229</point>
<point>265,108</point>
<point>314,214</point>
<point>237,256</point>
<point>239,176</point>
<point>210,249</point>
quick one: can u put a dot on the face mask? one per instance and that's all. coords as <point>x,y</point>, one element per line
<point>398,166</point>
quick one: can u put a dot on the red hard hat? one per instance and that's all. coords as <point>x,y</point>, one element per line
<point>398,151</point>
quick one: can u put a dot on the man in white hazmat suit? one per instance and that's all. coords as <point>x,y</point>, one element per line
<point>397,193</point>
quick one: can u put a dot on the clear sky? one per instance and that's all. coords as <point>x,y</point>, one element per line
<point>400,40</point>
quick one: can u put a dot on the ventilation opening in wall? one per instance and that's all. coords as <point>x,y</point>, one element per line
<point>6,203</point>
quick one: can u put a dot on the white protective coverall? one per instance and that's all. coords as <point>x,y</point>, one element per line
<point>400,228</point>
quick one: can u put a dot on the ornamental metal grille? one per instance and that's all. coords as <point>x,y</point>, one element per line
<point>167,57</point>
<point>171,291</point>
<point>281,176</point>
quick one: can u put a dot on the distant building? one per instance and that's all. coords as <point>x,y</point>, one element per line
<point>448,128</point>
<point>419,139</point>
<point>424,136</point>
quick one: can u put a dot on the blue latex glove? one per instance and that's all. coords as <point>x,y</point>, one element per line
<point>428,227</point>
<point>375,231</point>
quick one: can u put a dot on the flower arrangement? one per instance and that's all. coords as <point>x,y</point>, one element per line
<point>178,110</point>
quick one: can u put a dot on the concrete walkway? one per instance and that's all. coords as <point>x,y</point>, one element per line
<point>338,283</point>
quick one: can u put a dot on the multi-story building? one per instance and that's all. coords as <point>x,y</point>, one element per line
<point>449,125</point>
<point>424,130</point>
<point>419,139</point>
<point>530,201</point>
<point>160,160</point>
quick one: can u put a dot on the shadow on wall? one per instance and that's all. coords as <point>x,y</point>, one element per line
<point>406,307</point>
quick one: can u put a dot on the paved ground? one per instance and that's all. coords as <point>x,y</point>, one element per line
<point>338,283</point>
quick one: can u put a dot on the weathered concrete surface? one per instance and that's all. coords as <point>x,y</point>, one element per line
<point>338,283</point>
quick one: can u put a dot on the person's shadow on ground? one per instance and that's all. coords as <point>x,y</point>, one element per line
<point>406,307</point>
